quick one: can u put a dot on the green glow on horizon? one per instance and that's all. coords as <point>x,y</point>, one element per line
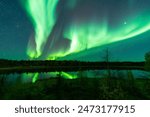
<point>42,16</point>
<point>57,55</point>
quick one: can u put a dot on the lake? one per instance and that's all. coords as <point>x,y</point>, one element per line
<point>33,77</point>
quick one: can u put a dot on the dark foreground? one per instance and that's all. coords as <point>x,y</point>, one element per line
<point>81,88</point>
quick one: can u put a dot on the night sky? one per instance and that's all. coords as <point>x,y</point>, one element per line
<point>15,29</point>
<point>74,29</point>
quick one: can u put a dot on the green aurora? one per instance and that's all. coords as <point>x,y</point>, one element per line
<point>42,16</point>
<point>88,35</point>
<point>83,35</point>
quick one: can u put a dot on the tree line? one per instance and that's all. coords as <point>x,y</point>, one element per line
<point>14,66</point>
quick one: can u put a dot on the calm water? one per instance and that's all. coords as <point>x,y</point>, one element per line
<point>11,78</point>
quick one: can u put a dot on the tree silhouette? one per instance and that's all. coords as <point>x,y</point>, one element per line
<point>107,57</point>
<point>147,61</point>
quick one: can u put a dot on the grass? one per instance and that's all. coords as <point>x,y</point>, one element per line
<point>77,89</point>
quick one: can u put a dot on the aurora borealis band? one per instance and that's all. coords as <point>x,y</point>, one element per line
<point>51,29</point>
<point>85,32</point>
<point>41,13</point>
